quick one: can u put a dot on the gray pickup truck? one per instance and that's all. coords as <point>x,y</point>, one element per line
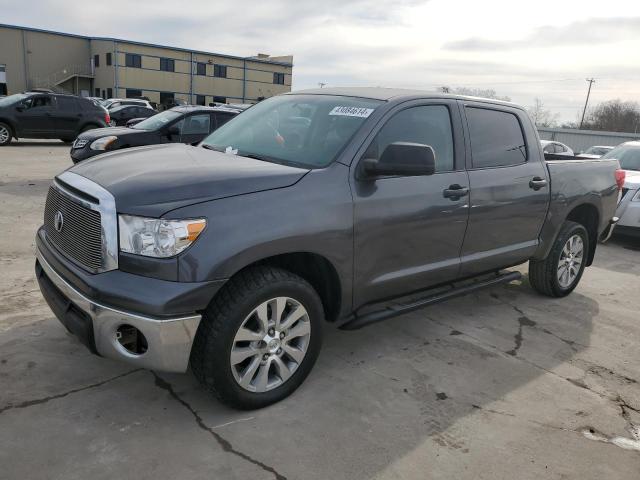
<point>345,206</point>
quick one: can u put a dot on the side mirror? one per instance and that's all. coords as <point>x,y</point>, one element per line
<point>20,107</point>
<point>401,159</point>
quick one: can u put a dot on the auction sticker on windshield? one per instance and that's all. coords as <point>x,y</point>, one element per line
<point>351,111</point>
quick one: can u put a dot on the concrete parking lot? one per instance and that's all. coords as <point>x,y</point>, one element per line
<point>503,384</point>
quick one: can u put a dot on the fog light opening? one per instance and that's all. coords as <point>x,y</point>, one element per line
<point>131,339</point>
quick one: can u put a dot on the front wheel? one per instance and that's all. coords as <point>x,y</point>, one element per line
<point>559,273</point>
<point>5,134</point>
<point>259,338</point>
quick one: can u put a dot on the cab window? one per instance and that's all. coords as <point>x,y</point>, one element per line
<point>426,125</point>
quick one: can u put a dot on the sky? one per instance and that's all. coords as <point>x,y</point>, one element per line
<point>524,50</point>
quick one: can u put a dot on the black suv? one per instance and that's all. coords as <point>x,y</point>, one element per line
<point>48,115</point>
<point>188,124</point>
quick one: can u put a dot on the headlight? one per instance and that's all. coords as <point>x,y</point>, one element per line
<point>103,143</point>
<point>157,237</point>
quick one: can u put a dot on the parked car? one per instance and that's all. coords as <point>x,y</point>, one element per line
<point>122,114</point>
<point>556,148</point>
<point>188,124</point>
<point>171,103</point>
<point>596,151</point>
<point>330,204</point>
<point>628,154</point>
<point>111,103</point>
<point>48,115</point>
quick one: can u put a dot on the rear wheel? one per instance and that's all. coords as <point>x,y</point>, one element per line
<point>5,134</point>
<point>559,273</point>
<point>259,338</point>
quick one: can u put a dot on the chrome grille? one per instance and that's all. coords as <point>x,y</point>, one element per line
<point>80,236</point>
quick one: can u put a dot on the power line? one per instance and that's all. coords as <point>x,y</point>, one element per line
<point>591,82</point>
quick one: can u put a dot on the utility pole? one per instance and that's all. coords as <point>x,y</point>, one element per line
<point>591,82</point>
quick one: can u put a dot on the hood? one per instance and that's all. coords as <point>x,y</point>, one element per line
<point>104,132</point>
<point>154,179</point>
<point>632,179</point>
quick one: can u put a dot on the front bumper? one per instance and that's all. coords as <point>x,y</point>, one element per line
<point>169,339</point>
<point>94,306</point>
<point>79,154</point>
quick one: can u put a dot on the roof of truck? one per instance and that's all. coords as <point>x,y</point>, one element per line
<point>386,94</point>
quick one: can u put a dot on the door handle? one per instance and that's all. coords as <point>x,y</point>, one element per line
<point>537,183</point>
<point>455,191</point>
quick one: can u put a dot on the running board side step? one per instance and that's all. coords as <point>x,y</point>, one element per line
<point>359,321</point>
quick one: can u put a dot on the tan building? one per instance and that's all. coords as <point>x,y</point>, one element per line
<point>109,67</point>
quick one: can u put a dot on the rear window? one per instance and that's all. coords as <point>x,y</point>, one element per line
<point>496,138</point>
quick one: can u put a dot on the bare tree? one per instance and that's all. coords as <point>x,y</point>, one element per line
<point>541,116</point>
<point>614,116</point>
<point>474,92</point>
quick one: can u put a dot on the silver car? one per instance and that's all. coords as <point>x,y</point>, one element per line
<point>628,154</point>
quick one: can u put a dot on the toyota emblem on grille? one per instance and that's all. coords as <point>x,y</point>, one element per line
<point>58,221</point>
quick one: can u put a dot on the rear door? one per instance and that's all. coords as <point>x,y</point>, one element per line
<point>37,117</point>
<point>408,231</point>
<point>67,117</point>
<point>509,188</point>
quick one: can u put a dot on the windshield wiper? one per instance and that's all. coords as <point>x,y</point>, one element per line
<point>211,147</point>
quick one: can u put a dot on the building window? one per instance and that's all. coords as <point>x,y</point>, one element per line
<point>201,100</point>
<point>219,99</point>
<point>96,92</point>
<point>108,58</point>
<point>109,93</point>
<point>96,60</point>
<point>167,65</point>
<point>201,68</point>
<point>278,78</point>
<point>166,97</point>
<point>133,60</point>
<point>220,71</point>
<point>133,93</point>
<point>104,94</point>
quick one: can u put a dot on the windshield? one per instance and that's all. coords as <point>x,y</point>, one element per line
<point>307,130</point>
<point>11,99</point>
<point>628,156</point>
<point>157,121</point>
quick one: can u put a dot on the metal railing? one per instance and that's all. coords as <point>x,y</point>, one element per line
<point>53,80</point>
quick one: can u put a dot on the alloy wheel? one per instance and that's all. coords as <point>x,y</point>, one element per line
<point>570,261</point>
<point>270,344</point>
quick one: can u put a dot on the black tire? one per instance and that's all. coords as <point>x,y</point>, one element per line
<point>67,140</point>
<point>5,138</point>
<point>543,274</point>
<point>210,356</point>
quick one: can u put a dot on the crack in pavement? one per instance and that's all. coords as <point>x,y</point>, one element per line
<point>572,343</point>
<point>225,444</point>
<point>40,401</point>
<point>523,321</point>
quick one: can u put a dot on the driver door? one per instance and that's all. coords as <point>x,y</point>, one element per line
<point>408,230</point>
<point>37,116</point>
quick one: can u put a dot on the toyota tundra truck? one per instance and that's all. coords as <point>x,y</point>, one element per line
<point>332,206</point>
